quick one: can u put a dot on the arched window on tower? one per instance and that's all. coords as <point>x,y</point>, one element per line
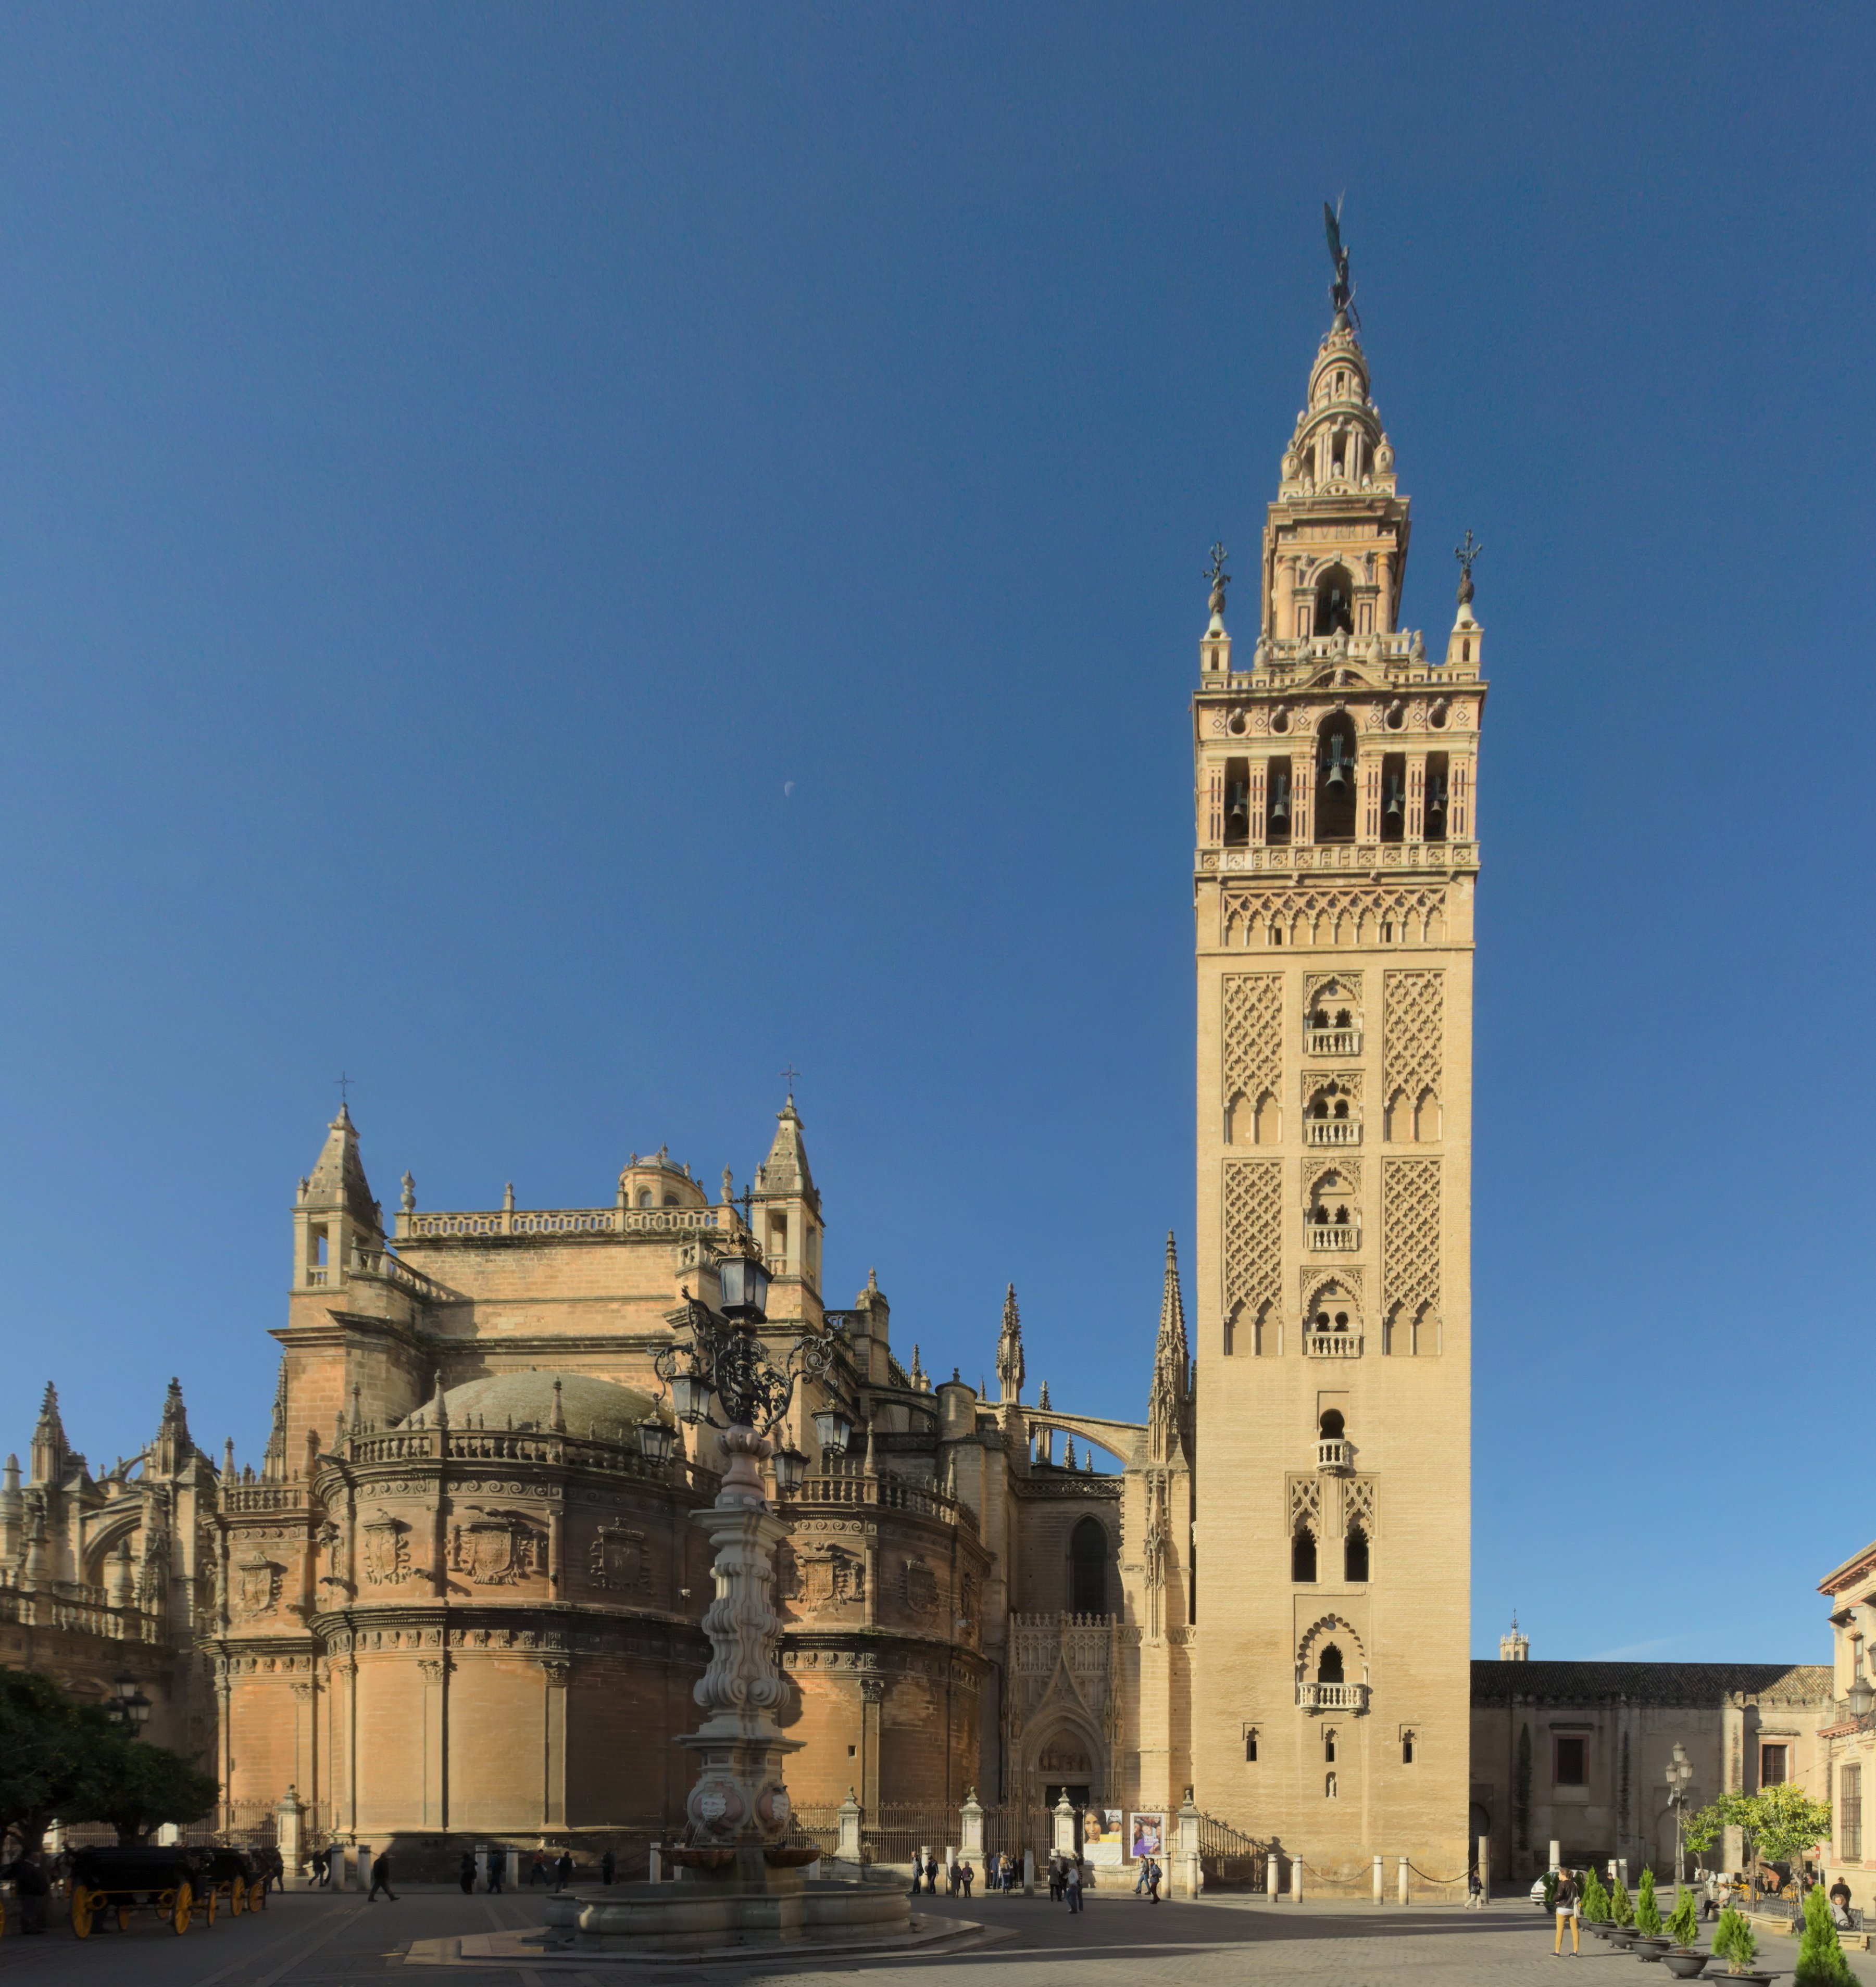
<point>1329,1664</point>
<point>1302,1557</point>
<point>1354,1556</point>
<point>1088,1568</point>
<point>1335,613</point>
<point>1335,779</point>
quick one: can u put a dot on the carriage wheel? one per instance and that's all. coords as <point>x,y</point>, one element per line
<point>123,1917</point>
<point>185,1904</point>
<point>83,1910</point>
<point>237,1897</point>
<point>207,1906</point>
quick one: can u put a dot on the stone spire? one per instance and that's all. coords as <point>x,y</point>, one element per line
<point>173,1446</point>
<point>1514,1647</point>
<point>1168,1403</point>
<point>337,1183</point>
<point>274,1464</point>
<point>785,1169</point>
<point>1010,1351</point>
<point>50,1449</point>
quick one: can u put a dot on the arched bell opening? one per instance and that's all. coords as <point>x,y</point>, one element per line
<point>1334,609</point>
<point>1335,779</point>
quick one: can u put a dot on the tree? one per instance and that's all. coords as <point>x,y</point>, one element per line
<point>1820,1958</point>
<point>1648,1913</point>
<point>1595,1899</point>
<point>55,1755</point>
<point>1621,1910</point>
<point>147,1785</point>
<point>1701,1828</point>
<point>1785,1824</point>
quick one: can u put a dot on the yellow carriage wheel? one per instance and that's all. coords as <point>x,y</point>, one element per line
<point>123,1917</point>
<point>82,1910</point>
<point>184,1908</point>
<point>237,1897</point>
<point>206,1905</point>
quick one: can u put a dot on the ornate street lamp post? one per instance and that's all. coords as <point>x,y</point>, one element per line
<point>720,1365</point>
<point>1680,1771</point>
<point>133,1709</point>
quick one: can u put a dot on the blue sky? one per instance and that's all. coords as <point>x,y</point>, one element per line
<point>560,560</point>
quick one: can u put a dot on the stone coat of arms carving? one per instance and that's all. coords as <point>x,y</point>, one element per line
<point>830,1577</point>
<point>921,1588</point>
<point>497,1549</point>
<point>618,1560</point>
<point>387,1551</point>
<point>257,1583</point>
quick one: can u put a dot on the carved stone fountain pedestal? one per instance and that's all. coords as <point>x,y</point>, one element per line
<point>739,1882</point>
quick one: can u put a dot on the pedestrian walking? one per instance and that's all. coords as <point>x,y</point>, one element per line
<point>32,1884</point>
<point>466,1874</point>
<point>381,1879</point>
<point>609,1867</point>
<point>1155,1877</point>
<point>274,1869</point>
<point>563,1871</point>
<point>537,1869</point>
<point>1055,1875</point>
<point>931,1877</point>
<point>1071,1883</point>
<point>1475,1889</point>
<point>1146,1864</point>
<point>966,1875</point>
<point>1568,1905</point>
<point>497,1864</point>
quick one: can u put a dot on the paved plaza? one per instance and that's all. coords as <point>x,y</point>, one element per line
<point>311,1940</point>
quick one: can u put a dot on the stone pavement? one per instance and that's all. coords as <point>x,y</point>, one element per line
<point>323,1940</point>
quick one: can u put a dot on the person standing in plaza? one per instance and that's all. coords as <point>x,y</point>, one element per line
<point>466,1874</point>
<point>497,1863</point>
<point>966,1875</point>
<point>381,1879</point>
<point>1155,1877</point>
<point>563,1871</point>
<point>1072,1884</point>
<point>1568,1904</point>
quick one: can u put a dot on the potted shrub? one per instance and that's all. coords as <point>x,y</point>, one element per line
<point>1621,1913</point>
<point>1649,1943</point>
<point>1595,1905</point>
<point>1683,1927</point>
<point>1820,1957</point>
<point>1734,1941</point>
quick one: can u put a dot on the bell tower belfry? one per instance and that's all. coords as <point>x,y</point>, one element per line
<point>1335,866</point>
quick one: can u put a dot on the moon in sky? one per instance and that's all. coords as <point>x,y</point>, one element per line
<point>787,789</point>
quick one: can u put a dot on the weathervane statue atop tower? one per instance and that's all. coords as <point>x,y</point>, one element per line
<point>1341,291</point>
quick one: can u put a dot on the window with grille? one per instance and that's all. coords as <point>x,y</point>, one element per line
<point>1571,1762</point>
<point>1849,1815</point>
<point>1772,1765</point>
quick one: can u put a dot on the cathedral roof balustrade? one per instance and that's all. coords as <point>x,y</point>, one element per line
<point>552,1448</point>
<point>1332,1696</point>
<point>382,1262</point>
<point>886,1492</point>
<point>76,1615</point>
<point>248,1499</point>
<point>473,1224</point>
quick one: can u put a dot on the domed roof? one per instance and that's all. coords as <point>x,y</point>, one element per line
<point>587,1408</point>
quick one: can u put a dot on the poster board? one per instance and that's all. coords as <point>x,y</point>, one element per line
<point>1146,1835</point>
<point>1103,1835</point>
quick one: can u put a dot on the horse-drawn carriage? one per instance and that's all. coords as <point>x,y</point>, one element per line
<point>168,1881</point>
<point>236,1874</point>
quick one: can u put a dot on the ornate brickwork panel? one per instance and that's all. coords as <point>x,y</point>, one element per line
<point>1358,1504</point>
<point>1414,1048</point>
<point>1254,1260</point>
<point>1253,1034</point>
<point>1410,1239</point>
<point>1335,915</point>
<point>1306,1504</point>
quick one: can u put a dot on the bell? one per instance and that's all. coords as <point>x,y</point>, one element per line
<point>1237,815</point>
<point>1394,809</point>
<point>1338,768</point>
<point>1280,799</point>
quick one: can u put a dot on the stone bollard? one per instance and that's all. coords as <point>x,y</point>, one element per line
<point>1029,1873</point>
<point>1273,1876</point>
<point>1380,1888</point>
<point>970,1828</point>
<point>1485,1869</point>
<point>1296,1879</point>
<point>1557,1855</point>
<point>364,1868</point>
<point>512,1879</point>
<point>1403,1897</point>
<point>848,1849</point>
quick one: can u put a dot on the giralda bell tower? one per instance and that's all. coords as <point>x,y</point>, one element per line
<point>1336,857</point>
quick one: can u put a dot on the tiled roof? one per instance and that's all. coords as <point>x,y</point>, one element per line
<point>1650,1683</point>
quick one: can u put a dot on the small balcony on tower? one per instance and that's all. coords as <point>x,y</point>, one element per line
<point>1332,1696</point>
<point>1328,1116</point>
<point>1322,1235</point>
<point>1333,1025</point>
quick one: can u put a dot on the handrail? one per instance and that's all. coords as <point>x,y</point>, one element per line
<point>886,1492</point>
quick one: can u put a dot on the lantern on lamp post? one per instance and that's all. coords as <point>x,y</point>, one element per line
<point>1679,1772</point>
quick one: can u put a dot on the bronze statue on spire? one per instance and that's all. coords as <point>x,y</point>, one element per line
<point>1342,291</point>
<point>1219,578</point>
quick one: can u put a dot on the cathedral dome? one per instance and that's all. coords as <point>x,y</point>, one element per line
<point>585,1407</point>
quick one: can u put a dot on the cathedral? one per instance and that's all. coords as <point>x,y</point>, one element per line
<point>458,1600</point>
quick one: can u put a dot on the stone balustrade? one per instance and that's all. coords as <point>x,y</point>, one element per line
<point>1333,1041</point>
<point>1331,1234</point>
<point>1332,1344</point>
<point>885,1492</point>
<point>441,1226</point>
<point>1369,858</point>
<point>1332,1696</point>
<point>1333,1131</point>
